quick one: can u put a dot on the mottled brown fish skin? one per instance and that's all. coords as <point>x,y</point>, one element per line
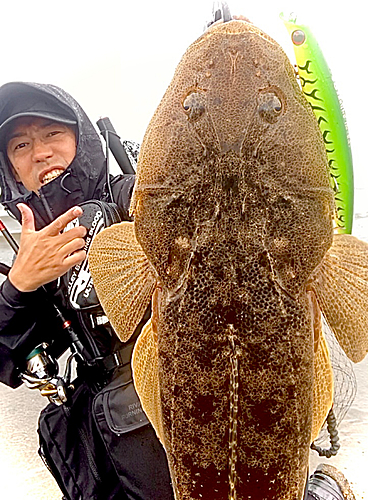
<point>234,211</point>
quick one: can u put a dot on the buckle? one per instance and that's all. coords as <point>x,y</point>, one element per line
<point>118,358</point>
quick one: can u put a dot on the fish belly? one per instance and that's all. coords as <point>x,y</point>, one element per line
<point>236,374</point>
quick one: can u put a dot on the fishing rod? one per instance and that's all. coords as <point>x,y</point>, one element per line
<point>9,238</point>
<point>113,142</point>
<point>42,369</point>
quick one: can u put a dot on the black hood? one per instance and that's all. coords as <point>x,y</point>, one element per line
<point>82,180</point>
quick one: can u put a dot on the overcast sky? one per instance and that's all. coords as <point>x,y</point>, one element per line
<point>117,57</point>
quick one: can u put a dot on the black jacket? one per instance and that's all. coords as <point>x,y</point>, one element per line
<point>95,446</point>
<point>26,319</point>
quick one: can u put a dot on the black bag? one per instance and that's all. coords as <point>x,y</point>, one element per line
<point>70,447</point>
<point>96,216</point>
<point>117,409</point>
<point>78,440</point>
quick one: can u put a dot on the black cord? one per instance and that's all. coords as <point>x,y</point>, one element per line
<point>334,438</point>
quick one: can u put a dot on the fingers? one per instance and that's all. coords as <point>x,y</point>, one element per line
<point>75,232</point>
<point>72,246</point>
<point>27,217</point>
<point>61,222</point>
<point>56,226</point>
<point>77,257</point>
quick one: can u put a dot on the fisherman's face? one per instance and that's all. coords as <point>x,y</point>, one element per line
<point>40,150</point>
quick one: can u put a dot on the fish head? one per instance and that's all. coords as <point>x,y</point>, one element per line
<point>234,110</point>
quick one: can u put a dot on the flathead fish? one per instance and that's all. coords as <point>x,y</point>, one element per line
<point>233,240</point>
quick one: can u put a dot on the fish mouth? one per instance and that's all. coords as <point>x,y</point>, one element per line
<point>50,175</point>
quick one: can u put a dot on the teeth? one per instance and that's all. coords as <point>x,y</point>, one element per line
<point>50,176</point>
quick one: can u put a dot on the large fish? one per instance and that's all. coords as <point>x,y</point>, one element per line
<point>233,241</point>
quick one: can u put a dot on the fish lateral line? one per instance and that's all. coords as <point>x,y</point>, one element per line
<point>233,417</point>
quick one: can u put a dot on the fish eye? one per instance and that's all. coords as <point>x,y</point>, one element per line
<point>270,107</point>
<point>194,105</point>
<point>298,37</point>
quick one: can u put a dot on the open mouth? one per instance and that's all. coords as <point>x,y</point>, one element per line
<point>51,175</point>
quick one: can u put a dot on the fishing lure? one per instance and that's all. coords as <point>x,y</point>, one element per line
<point>318,88</point>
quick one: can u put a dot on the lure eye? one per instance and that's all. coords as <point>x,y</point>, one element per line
<point>270,107</point>
<point>298,37</point>
<point>194,105</point>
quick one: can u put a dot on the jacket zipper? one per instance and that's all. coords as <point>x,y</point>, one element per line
<point>84,440</point>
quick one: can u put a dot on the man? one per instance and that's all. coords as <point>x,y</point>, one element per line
<point>51,161</point>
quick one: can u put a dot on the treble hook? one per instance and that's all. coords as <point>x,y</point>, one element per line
<point>220,11</point>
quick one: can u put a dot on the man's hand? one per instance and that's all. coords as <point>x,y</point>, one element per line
<point>47,254</point>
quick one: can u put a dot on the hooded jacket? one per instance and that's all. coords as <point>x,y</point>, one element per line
<point>82,180</point>
<point>27,319</point>
<point>95,445</point>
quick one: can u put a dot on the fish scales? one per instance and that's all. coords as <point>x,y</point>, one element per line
<point>233,209</point>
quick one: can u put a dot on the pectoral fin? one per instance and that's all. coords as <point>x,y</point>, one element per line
<point>341,287</point>
<point>145,375</point>
<point>122,277</point>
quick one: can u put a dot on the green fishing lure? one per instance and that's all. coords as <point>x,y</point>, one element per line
<point>318,88</point>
